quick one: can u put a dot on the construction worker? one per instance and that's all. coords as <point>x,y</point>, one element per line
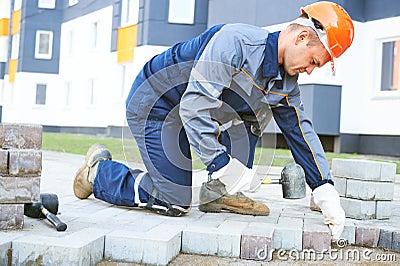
<point>215,94</point>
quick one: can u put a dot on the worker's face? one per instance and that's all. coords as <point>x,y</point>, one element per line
<point>301,57</point>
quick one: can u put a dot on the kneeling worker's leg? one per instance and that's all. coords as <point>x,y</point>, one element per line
<point>240,143</point>
<point>117,184</point>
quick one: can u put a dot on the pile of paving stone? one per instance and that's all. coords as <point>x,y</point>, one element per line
<point>366,187</point>
<point>20,171</point>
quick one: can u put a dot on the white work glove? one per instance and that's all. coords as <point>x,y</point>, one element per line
<point>327,199</point>
<point>237,177</point>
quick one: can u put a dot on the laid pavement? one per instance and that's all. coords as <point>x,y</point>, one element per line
<point>98,231</point>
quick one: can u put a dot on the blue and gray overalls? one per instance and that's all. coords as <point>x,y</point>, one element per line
<point>213,94</point>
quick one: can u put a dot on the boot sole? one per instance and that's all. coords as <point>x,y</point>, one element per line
<point>217,207</point>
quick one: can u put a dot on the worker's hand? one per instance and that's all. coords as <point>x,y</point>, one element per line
<point>237,177</point>
<point>327,198</point>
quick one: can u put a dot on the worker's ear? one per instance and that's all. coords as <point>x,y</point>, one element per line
<point>303,35</point>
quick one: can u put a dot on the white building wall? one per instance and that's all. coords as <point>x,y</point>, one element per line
<point>81,65</point>
<point>366,109</point>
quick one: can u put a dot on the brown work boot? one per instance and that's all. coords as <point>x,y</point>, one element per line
<point>84,177</point>
<point>215,198</point>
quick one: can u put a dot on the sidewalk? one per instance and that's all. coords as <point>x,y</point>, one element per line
<point>99,231</point>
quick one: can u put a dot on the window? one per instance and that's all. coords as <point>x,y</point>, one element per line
<point>44,44</point>
<point>91,93</point>
<point>123,77</point>
<point>15,46</point>
<point>95,29</point>
<point>129,12</point>
<point>70,42</point>
<point>73,2</point>
<point>49,4</point>
<point>68,94</point>
<point>390,77</point>
<point>181,11</point>
<point>17,4</point>
<point>41,93</point>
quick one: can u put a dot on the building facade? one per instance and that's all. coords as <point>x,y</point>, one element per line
<point>69,64</point>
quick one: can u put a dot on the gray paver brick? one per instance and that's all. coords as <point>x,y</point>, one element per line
<point>369,190</point>
<point>20,136</point>
<point>5,252</point>
<point>383,209</point>
<point>363,169</point>
<point>385,238</point>
<point>25,162</point>
<point>287,237</point>
<point>84,247</point>
<point>19,190</point>
<point>221,241</point>
<point>157,246</point>
<point>11,216</point>
<point>358,209</point>
<point>340,185</point>
<point>367,236</point>
<point>349,232</point>
<point>396,240</point>
<point>3,162</point>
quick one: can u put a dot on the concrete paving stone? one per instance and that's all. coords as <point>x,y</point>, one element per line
<point>19,189</point>
<point>340,185</point>
<point>207,224</point>
<point>222,216</point>
<point>396,240</point>
<point>271,218</point>
<point>385,238</point>
<point>388,172</point>
<point>20,136</point>
<point>358,209</point>
<point>367,236</point>
<point>241,218</point>
<point>288,237</point>
<point>316,236</point>
<point>257,242</point>
<point>84,247</point>
<point>222,241</point>
<point>349,232</point>
<point>383,209</point>
<point>291,221</point>
<point>11,216</point>
<point>157,246</point>
<point>5,252</point>
<point>363,169</point>
<point>25,162</point>
<point>369,190</point>
<point>6,238</point>
<point>3,162</point>
<point>289,212</point>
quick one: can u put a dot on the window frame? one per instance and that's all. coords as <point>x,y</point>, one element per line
<point>39,55</point>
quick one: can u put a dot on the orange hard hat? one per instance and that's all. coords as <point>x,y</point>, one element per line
<point>336,23</point>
